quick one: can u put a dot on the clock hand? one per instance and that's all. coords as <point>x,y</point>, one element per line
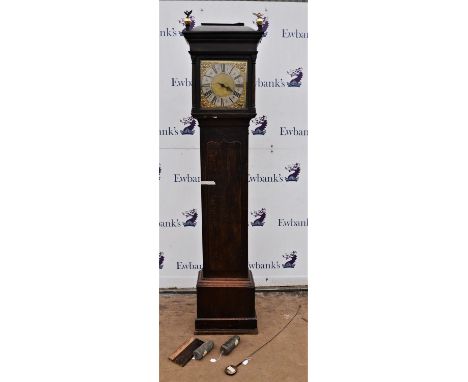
<point>225,87</point>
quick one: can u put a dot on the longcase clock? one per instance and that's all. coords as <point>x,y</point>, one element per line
<point>223,101</point>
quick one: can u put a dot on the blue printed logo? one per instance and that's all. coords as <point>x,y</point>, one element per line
<point>260,125</point>
<point>282,222</point>
<point>271,265</point>
<point>294,170</point>
<point>294,34</point>
<point>189,125</point>
<point>191,220</point>
<point>168,32</point>
<point>180,265</point>
<point>191,216</point>
<point>161,260</point>
<point>178,82</point>
<point>260,216</point>
<point>261,178</point>
<point>186,178</point>
<point>297,77</point>
<point>280,82</point>
<point>290,259</point>
<point>292,131</point>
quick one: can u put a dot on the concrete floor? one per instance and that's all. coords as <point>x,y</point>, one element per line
<point>284,359</point>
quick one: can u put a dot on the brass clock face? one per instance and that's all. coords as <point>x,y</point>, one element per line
<point>223,84</point>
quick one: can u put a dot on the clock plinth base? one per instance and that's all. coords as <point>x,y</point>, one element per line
<point>225,305</point>
<point>204,322</point>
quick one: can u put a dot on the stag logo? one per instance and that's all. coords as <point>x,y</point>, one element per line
<point>192,23</point>
<point>261,125</point>
<point>260,216</point>
<point>290,259</point>
<point>161,260</point>
<point>264,24</point>
<point>294,169</point>
<point>297,77</point>
<point>189,126</point>
<point>191,216</point>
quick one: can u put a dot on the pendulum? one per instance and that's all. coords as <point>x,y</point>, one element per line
<point>232,369</point>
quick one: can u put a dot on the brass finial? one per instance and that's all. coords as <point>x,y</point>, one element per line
<point>259,21</point>
<point>187,20</point>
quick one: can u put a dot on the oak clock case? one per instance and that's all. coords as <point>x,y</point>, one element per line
<point>223,101</point>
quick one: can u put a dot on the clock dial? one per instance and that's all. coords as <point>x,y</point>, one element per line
<point>223,84</point>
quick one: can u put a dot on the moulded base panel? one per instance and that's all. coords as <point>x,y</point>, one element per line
<point>225,305</point>
<point>226,326</point>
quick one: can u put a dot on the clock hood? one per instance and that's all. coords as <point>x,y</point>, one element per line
<point>230,37</point>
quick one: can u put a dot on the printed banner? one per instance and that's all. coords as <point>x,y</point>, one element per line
<point>277,141</point>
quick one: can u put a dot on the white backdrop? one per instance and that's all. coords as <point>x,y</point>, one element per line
<point>278,145</point>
